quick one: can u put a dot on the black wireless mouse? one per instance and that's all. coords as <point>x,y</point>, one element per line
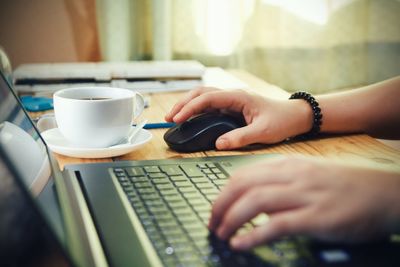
<point>200,132</point>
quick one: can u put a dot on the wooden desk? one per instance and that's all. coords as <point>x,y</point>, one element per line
<point>357,149</point>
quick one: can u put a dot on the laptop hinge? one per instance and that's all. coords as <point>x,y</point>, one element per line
<point>82,239</point>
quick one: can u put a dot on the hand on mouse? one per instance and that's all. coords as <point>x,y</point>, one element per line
<point>268,120</point>
<point>310,197</point>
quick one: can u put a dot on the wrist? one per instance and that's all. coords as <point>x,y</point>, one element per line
<point>316,114</point>
<point>303,116</point>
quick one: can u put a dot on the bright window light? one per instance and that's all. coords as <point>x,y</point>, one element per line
<point>315,11</point>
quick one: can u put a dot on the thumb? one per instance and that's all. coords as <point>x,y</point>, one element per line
<point>237,138</point>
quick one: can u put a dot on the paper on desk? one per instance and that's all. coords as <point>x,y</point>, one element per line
<point>214,77</point>
<point>105,71</point>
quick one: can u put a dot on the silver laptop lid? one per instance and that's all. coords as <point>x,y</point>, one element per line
<point>25,167</point>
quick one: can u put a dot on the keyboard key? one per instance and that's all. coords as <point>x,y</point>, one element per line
<point>184,184</point>
<point>207,191</point>
<point>145,191</point>
<point>144,184</point>
<point>171,170</point>
<point>202,208</point>
<point>187,189</point>
<point>191,170</point>
<point>199,180</point>
<point>216,170</point>
<point>118,170</point>
<point>220,182</point>
<point>161,181</point>
<point>202,165</point>
<point>150,196</point>
<point>157,175</point>
<point>129,188</point>
<point>167,223</point>
<point>165,186</point>
<point>173,198</point>
<point>194,227</point>
<point>140,210</point>
<point>222,176</point>
<point>198,201</point>
<point>134,199</point>
<point>154,202</point>
<point>201,233</point>
<point>207,171</point>
<point>211,165</point>
<point>178,205</point>
<point>125,183</point>
<point>134,171</point>
<point>121,177</point>
<point>193,195</point>
<point>189,218</point>
<point>151,169</point>
<point>168,191</point>
<point>212,176</point>
<point>172,230</point>
<point>205,186</point>
<point>139,179</point>
<point>178,178</point>
<point>158,209</point>
<point>184,211</point>
<point>211,197</point>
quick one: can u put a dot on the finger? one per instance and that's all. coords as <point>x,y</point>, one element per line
<point>238,138</point>
<point>189,96</point>
<point>287,223</point>
<point>214,100</point>
<point>244,179</point>
<point>268,199</point>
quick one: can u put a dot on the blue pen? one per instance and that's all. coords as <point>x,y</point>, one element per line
<point>159,125</point>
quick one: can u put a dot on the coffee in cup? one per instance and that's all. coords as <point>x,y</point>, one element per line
<point>96,117</point>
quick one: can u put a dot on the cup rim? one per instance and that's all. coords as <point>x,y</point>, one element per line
<point>59,93</point>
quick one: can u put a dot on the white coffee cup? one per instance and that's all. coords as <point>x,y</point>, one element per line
<point>96,117</point>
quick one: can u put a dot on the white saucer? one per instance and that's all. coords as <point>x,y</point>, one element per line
<point>58,144</point>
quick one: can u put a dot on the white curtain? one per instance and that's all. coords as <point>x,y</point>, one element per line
<point>315,45</point>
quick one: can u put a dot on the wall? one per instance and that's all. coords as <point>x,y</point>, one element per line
<point>48,31</point>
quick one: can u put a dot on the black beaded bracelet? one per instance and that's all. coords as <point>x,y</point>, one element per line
<point>317,115</point>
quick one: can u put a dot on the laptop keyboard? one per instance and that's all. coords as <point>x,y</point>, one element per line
<point>173,203</point>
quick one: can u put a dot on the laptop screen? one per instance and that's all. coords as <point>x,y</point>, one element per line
<point>24,155</point>
<point>21,142</point>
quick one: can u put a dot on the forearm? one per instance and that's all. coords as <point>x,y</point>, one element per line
<point>374,109</point>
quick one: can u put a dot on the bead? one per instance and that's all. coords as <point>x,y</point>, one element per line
<point>317,115</point>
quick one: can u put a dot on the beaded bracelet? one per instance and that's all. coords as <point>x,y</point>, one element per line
<point>317,115</point>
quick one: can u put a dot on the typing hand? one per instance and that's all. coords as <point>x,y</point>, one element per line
<point>268,120</point>
<point>309,197</point>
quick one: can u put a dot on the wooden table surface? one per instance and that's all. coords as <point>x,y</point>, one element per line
<point>357,149</point>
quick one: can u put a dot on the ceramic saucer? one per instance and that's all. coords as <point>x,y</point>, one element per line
<point>58,144</point>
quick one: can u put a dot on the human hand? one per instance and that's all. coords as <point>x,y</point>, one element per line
<point>268,120</point>
<point>305,196</point>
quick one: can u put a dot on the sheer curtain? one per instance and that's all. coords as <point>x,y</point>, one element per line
<point>315,45</point>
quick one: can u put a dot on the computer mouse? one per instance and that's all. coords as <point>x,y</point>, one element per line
<point>199,133</point>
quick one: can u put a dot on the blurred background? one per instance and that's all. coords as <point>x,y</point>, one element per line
<point>314,45</point>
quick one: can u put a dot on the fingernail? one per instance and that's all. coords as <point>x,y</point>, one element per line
<point>236,243</point>
<point>220,233</point>
<point>222,143</point>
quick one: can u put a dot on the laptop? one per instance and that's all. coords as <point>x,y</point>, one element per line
<point>132,213</point>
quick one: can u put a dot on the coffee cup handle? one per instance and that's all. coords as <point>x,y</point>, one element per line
<point>139,105</point>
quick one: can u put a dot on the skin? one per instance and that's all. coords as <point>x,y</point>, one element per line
<point>346,203</point>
